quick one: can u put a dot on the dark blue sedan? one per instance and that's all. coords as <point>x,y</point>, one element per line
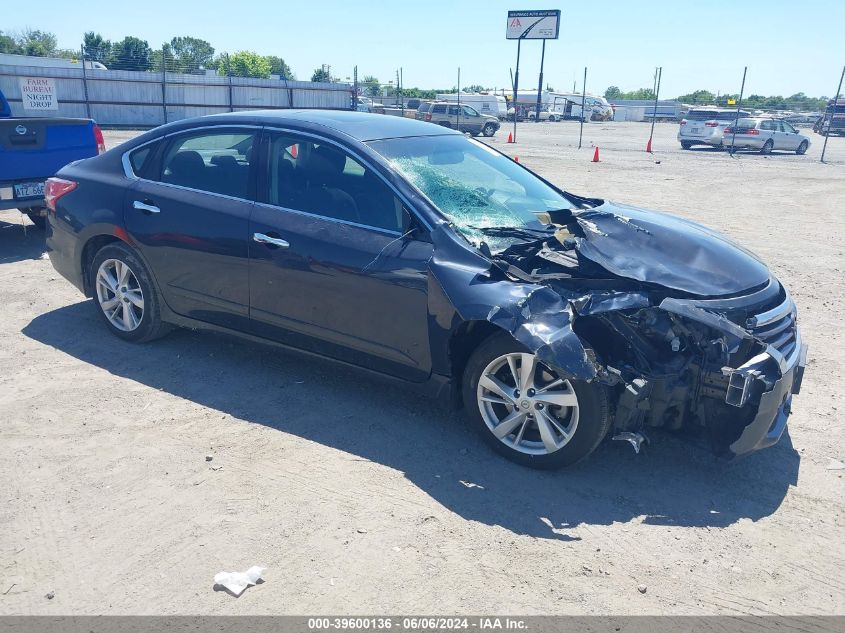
<point>408,249</point>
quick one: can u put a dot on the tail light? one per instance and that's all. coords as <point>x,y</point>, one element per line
<point>751,131</point>
<point>54,189</point>
<point>683,121</point>
<point>729,130</point>
<point>428,116</point>
<point>98,138</point>
<point>712,124</point>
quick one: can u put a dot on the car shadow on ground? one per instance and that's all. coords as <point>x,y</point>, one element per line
<point>19,240</point>
<point>670,483</point>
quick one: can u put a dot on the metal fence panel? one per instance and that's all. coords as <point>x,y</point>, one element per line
<point>146,99</point>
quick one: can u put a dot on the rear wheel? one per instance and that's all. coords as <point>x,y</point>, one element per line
<point>767,147</point>
<point>35,214</point>
<point>524,410</point>
<point>685,144</point>
<point>802,149</point>
<point>125,295</point>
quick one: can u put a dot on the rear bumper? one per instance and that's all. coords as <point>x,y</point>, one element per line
<point>62,248</point>
<point>7,195</point>
<point>766,383</point>
<point>714,138</point>
<point>751,142</point>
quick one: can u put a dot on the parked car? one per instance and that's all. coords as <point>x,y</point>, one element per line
<point>832,122</point>
<point>705,126</point>
<point>765,135</point>
<point>32,149</point>
<point>422,110</point>
<point>414,251</point>
<point>463,118</point>
<point>545,115</point>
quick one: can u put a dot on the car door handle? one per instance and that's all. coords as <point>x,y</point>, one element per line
<point>146,208</point>
<point>270,241</point>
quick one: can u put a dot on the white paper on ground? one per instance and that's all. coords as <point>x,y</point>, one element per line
<point>237,581</point>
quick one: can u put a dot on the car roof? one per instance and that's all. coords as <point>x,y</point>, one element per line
<point>362,126</point>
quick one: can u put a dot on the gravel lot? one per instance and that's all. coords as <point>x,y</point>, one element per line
<point>360,498</point>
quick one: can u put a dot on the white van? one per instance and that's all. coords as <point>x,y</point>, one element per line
<point>491,105</point>
<point>598,106</point>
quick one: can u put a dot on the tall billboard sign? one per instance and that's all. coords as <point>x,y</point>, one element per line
<point>533,25</point>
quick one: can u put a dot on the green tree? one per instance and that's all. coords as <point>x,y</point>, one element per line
<point>9,44</point>
<point>37,43</point>
<point>243,64</point>
<point>371,85</point>
<point>279,67</point>
<point>474,88</point>
<point>131,53</point>
<point>190,54</point>
<point>699,97</point>
<point>613,92</point>
<point>95,47</point>
<point>321,74</point>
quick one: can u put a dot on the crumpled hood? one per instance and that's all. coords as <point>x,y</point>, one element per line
<point>662,249</point>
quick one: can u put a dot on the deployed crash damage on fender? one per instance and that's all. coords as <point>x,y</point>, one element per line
<point>687,330</point>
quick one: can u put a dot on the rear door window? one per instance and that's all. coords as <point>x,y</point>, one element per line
<point>439,109</point>
<point>214,161</point>
<point>769,126</point>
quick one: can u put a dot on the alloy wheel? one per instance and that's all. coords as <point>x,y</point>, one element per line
<point>119,295</point>
<point>526,405</point>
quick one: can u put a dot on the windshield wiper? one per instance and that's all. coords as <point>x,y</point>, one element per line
<point>513,231</point>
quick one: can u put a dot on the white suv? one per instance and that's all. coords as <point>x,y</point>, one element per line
<point>705,126</point>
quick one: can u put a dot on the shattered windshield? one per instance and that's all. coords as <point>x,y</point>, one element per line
<point>485,195</point>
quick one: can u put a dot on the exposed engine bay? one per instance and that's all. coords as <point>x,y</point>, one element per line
<point>688,330</point>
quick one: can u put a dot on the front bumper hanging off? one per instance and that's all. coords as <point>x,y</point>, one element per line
<point>768,381</point>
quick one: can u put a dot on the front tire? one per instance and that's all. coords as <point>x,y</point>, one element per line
<point>488,130</point>
<point>528,413</point>
<point>125,295</point>
<point>802,149</point>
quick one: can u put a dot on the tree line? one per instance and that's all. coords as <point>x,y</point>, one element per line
<point>183,54</point>
<point>798,101</point>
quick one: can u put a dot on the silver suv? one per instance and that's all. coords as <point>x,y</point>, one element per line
<point>706,126</point>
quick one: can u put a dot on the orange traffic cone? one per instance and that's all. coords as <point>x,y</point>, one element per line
<point>648,146</point>
<point>596,155</point>
<point>516,158</point>
<point>510,137</point>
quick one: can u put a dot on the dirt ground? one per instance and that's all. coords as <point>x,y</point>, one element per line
<point>361,498</point>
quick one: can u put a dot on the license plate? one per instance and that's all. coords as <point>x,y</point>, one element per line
<point>29,190</point>
<point>696,130</point>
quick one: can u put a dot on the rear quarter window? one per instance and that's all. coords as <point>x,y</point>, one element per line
<point>141,159</point>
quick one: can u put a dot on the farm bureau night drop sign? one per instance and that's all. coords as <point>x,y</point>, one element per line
<point>38,93</point>
<point>533,25</point>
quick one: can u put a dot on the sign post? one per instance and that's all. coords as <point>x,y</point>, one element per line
<point>531,25</point>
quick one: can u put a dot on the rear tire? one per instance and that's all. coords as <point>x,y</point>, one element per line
<point>572,430</point>
<point>802,149</point>
<point>125,296</point>
<point>767,147</point>
<point>685,144</point>
<point>39,220</point>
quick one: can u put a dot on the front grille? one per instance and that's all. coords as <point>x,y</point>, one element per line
<point>776,326</point>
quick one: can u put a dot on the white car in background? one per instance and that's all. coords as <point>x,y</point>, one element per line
<point>765,134</point>
<point>705,126</point>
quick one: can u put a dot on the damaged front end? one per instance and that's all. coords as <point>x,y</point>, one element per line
<point>688,331</point>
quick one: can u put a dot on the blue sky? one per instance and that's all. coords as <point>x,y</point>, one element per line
<point>789,47</point>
